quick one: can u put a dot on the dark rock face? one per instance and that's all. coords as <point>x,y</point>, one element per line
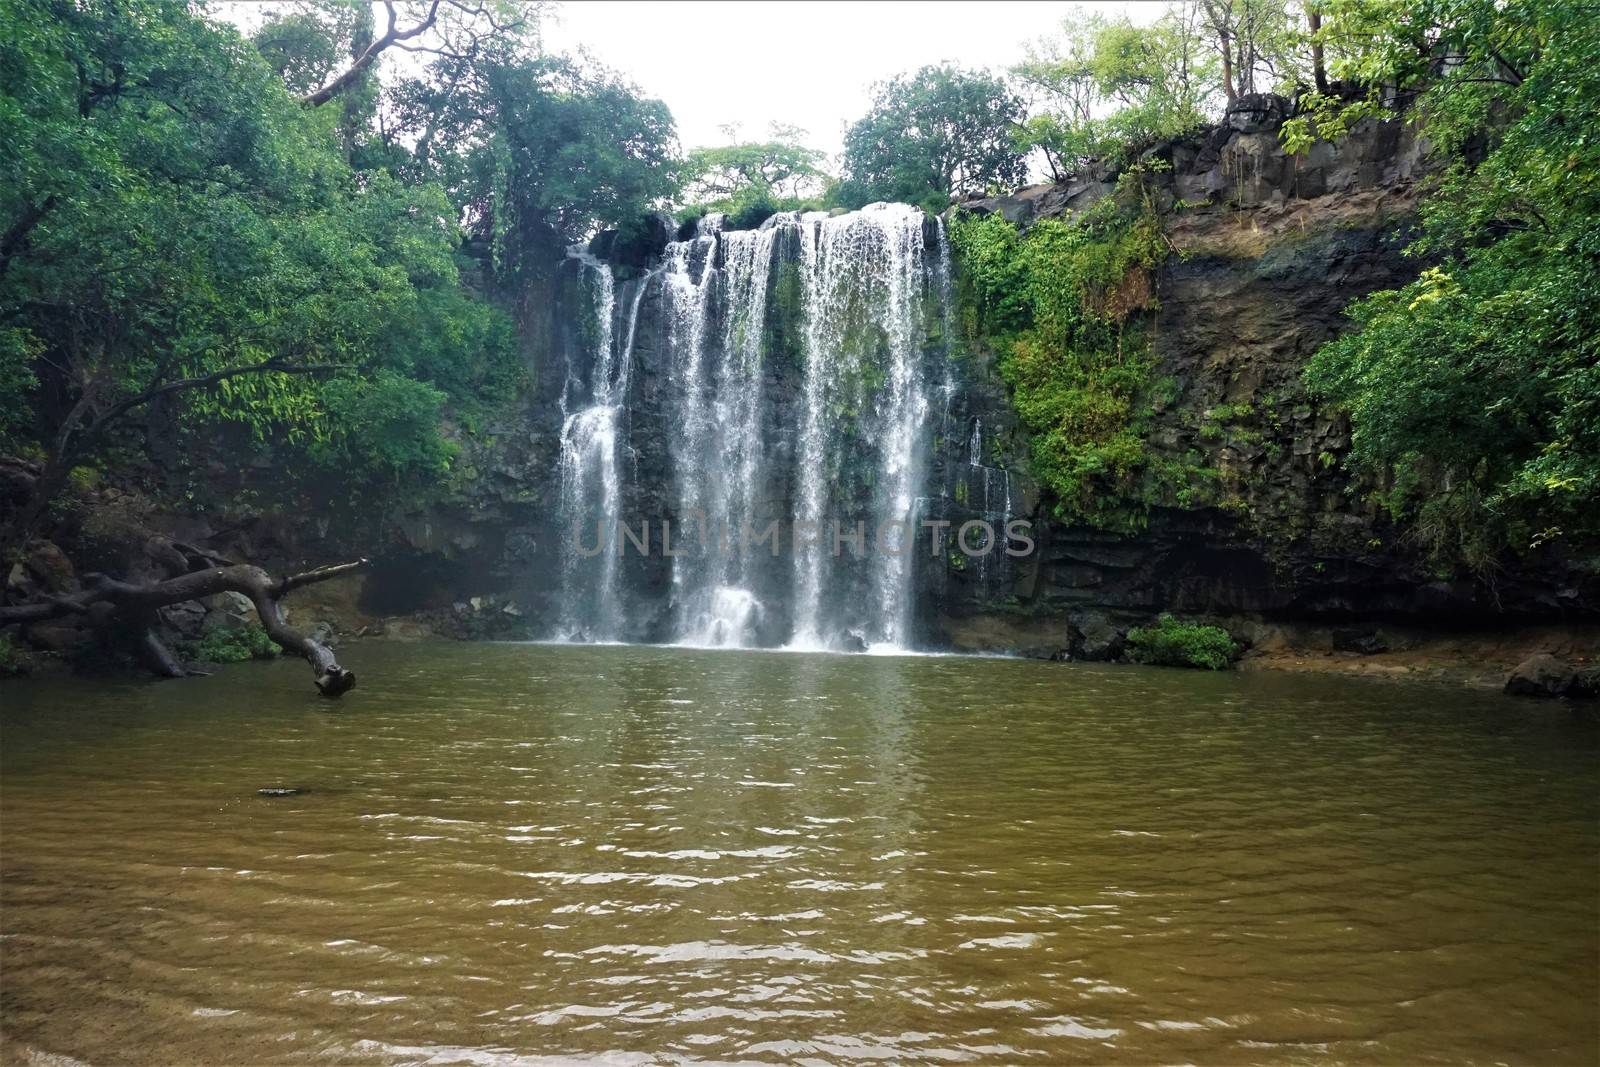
<point>1095,637</point>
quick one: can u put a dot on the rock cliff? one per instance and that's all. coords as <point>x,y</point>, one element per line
<point>1269,251</point>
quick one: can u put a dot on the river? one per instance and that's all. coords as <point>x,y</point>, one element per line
<point>515,853</point>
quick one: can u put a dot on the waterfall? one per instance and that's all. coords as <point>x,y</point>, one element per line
<point>591,489</point>
<point>687,284</point>
<point>719,455</point>
<point>797,377</point>
<point>865,275</point>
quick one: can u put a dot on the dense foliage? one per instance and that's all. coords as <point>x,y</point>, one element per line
<point>199,244</point>
<point>751,180</point>
<point>937,132</point>
<point>244,642</point>
<point>1170,643</point>
<point>538,151</point>
<point>1105,89</point>
<point>1057,304</point>
<point>1474,392</point>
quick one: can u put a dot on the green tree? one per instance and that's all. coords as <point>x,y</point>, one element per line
<point>1257,43</point>
<point>182,239</point>
<point>537,152</point>
<point>1474,393</point>
<point>938,132</point>
<point>1107,88</point>
<point>750,180</point>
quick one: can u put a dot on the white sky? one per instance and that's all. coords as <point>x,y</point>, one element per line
<point>806,64</point>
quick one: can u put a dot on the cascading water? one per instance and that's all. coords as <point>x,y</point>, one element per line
<point>993,506</point>
<point>591,479</point>
<point>718,455</point>
<point>865,275</point>
<point>798,366</point>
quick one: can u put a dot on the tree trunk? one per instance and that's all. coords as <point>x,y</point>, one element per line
<point>1319,72</point>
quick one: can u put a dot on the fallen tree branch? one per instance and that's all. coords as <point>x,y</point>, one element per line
<point>135,604</point>
<point>320,574</point>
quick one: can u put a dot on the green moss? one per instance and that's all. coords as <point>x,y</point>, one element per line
<point>233,646</point>
<point>83,479</point>
<point>1170,643</point>
<point>785,325</point>
<point>1060,305</point>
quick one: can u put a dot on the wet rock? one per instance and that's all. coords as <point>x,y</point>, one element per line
<point>483,618</point>
<point>1257,113</point>
<point>55,636</point>
<point>1585,684</point>
<point>50,566</point>
<point>1095,638</point>
<point>1364,642</point>
<point>1541,675</point>
<point>19,581</point>
<point>217,619</point>
<point>230,601</point>
<point>282,791</point>
<point>186,619</point>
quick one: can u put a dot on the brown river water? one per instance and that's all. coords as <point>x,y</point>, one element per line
<point>511,854</point>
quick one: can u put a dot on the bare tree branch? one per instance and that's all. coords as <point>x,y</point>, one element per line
<point>392,34</point>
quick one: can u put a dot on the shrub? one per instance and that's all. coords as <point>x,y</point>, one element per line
<point>13,660</point>
<point>1170,643</point>
<point>235,646</point>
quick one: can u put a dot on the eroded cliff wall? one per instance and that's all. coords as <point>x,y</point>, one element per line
<point>1269,250</point>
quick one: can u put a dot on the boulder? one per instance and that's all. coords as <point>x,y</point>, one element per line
<point>237,603</point>
<point>186,618</point>
<point>1585,684</point>
<point>55,636</point>
<point>1364,642</point>
<point>1094,637</point>
<point>20,581</point>
<point>51,566</point>
<point>1541,675</point>
<point>218,619</point>
<point>1257,113</point>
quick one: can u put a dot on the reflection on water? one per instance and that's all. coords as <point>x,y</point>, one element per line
<point>511,853</point>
